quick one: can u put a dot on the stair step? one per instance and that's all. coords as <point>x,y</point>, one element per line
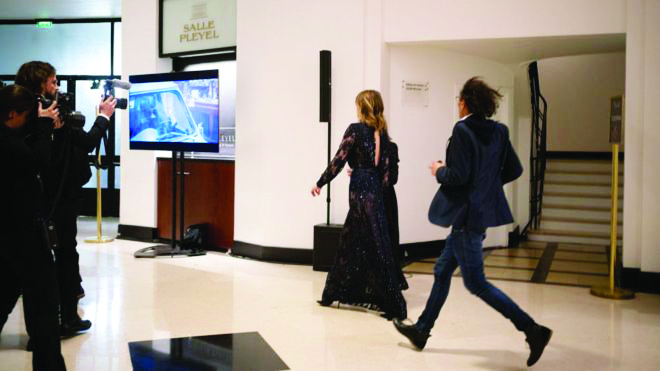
<point>582,172</point>
<point>554,225</point>
<point>532,236</point>
<point>579,220</point>
<point>580,201</point>
<point>552,232</point>
<point>575,194</point>
<point>573,164</point>
<point>579,177</point>
<point>577,213</point>
<point>551,187</point>
<point>579,165</point>
<point>548,205</point>
<point>568,239</point>
<point>581,183</point>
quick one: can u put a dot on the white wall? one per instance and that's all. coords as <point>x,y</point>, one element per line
<point>522,142</point>
<point>641,200</point>
<point>429,20</point>
<point>578,91</point>
<point>422,132</point>
<point>138,168</point>
<point>281,147</point>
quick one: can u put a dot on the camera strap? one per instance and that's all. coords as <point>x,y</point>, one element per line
<point>66,155</point>
<point>98,161</point>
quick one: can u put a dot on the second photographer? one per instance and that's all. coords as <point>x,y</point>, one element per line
<point>68,172</point>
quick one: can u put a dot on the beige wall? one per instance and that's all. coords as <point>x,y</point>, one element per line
<point>578,91</point>
<point>421,132</point>
<point>281,146</point>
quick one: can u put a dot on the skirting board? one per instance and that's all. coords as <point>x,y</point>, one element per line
<point>636,280</point>
<point>273,254</point>
<point>137,233</point>
<point>416,250</point>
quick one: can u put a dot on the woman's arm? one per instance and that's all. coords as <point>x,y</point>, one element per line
<point>339,160</point>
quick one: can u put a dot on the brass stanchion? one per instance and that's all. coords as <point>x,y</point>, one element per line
<point>99,233</point>
<point>611,291</point>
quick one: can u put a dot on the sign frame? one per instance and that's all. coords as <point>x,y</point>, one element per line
<point>167,18</point>
<point>617,118</point>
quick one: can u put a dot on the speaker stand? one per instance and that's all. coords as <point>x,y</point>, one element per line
<point>173,249</point>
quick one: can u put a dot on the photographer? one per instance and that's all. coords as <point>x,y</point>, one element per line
<point>27,261</point>
<point>68,172</point>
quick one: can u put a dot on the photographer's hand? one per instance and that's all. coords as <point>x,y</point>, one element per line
<point>107,106</point>
<point>51,112</point>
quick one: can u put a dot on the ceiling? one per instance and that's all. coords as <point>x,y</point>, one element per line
<point>507,51</point>
<point>519,50</point>
<point>60,9</point>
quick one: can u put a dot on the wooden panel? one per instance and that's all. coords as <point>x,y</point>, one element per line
<point>209,191</point>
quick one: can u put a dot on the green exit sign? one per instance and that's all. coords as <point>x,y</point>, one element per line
<point>44,24</point>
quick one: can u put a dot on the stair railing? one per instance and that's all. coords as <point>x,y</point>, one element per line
<point>537,150</point>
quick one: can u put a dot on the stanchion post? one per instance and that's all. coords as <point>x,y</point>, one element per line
<point>99,233</point>
<point>616,122</point>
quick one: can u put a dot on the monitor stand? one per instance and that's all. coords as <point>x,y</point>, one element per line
<point>173,249</point>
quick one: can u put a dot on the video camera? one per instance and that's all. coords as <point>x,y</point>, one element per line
<point>66,107</point>
<point>109,90</point>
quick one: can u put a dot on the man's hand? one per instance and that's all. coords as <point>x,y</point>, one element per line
<point>58,123</point>
<point>51,112</point>
<point>316,191</point>
<point>435,166</point>
<point>107,106</point>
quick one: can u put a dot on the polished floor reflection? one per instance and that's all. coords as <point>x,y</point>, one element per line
<point>540,262</point>
<point>135,300</point>
<point>227,352</point>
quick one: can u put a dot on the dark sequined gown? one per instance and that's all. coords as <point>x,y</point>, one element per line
<point>364,272</point>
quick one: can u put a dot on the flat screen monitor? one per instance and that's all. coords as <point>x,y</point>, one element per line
<point>176,111</point>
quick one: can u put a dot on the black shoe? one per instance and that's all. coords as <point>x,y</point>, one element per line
<point>71,328</point>
<point>417,338</point>
<point>537,337</point>
<point>81,293</point>
<point>325,302</point>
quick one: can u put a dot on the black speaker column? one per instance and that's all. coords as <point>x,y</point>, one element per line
<point>325,85</point>
<point>326,236</point>
<point>325,100</point>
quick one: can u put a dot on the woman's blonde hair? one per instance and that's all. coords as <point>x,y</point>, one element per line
<point>370,109</point>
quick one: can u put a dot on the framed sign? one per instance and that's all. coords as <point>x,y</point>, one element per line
<point>616,118</point>
<point>195,27</point>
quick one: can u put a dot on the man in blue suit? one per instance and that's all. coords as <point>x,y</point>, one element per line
<point>480,160</point>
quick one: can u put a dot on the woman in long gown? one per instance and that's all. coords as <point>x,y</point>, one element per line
<point>364,272</point>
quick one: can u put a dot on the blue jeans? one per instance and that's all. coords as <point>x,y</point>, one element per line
<point>464,247</point>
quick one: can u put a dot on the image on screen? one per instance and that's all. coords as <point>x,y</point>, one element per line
<point>176,111</point>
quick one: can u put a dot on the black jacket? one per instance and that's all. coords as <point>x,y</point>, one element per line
<point>480,160</point>
<point>71,147</point>
<point>22,158</point>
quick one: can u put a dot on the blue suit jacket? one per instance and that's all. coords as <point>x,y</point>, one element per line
<point>480,160</point>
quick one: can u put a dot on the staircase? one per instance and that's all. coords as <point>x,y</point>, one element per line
<point>576,202</point>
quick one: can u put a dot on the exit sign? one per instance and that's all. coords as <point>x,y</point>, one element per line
<point>44,24</point>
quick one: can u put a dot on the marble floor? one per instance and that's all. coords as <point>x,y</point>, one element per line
<point>148,301</point>
<point>540,262</point>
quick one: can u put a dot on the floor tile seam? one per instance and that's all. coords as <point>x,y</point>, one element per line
<point>516,257</point>
<point>579,261</point>
<point>509,267</point>
<point>543,267</point>
<point>582,252</point>
<point>515,280</point>
<point>555,259</point>
<point>582,273</point>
